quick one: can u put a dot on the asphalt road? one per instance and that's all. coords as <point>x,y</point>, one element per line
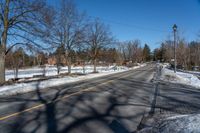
<point>178,99</point>
<point>172,99</point>
<point>109,104</point>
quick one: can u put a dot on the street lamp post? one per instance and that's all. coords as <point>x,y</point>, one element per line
<point>175,29</point>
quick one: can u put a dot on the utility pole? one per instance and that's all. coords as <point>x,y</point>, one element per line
<point>175,29</point>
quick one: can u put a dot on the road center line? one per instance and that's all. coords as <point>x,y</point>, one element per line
<point>59,99</point>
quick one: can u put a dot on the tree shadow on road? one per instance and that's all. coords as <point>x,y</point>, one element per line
<point>178,99</point>
<point>109,108</point>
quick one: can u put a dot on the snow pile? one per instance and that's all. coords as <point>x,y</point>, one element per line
<point>176,124</point>
<point>52,70</point>
<point>194,72</point>
<point>164,65</point>
<point>31,86</point>
<point>139,65</point>
<point>180,77</point>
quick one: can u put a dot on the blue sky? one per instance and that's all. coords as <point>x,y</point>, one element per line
<point>150,21</point>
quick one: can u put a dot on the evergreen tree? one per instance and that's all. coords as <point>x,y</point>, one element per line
<point>146,53</point>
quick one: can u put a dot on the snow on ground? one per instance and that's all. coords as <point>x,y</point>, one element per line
<point>176,124</point>
<point>52,71</point>
<point>179,77</point>
<point>194,72</point>
<point>31,86</point>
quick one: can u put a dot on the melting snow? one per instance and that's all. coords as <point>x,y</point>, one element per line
<point>180,77</point>
<point>31,86</point>
<point>176,124</point>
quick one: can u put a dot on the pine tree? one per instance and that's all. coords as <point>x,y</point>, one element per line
<point>146,53</point>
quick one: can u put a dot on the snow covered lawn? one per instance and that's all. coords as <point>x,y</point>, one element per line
<point>179,77</point>
<point>52,71</point>
<point>31,86</point>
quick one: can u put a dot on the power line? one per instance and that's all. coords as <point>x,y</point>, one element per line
<point>131,25</point>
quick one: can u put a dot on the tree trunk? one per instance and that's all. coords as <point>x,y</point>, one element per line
<point>58,69</point>
<point>4,41</point>
<point>2,68</point>
<point>69,63</point>
<point>16,71</point>
<point>23,58</point>
<point>95,65</point>
<point>84,68</point>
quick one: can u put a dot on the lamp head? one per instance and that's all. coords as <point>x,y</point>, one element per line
<point>175,27</point>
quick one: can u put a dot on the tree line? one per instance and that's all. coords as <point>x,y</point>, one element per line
<point>187,53</point>
<point>33,31</point>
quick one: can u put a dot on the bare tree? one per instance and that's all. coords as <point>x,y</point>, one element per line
<point>166,51</point>
<point>136,51</point>
<point>65,27</point>
<point>17,20</point>
<point>182,53</point>
<point>59,54</point>
<point>194,49</point>
<point>131,51</point>
<point>121,53</point>
<point>98,37</point>
<point>17,61</point>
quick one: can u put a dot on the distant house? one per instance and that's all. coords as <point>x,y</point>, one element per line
<point>52,60</point>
